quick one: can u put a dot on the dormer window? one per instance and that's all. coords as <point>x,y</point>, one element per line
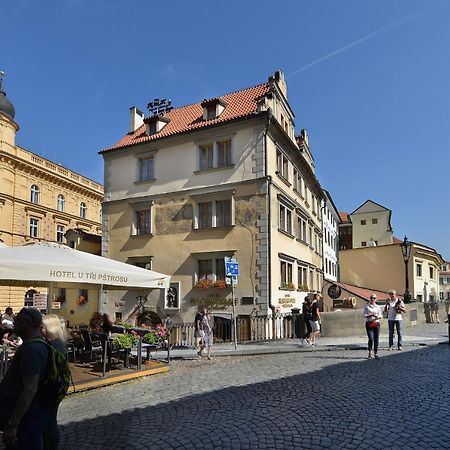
<point>155,124</point>
<point>213,108</point>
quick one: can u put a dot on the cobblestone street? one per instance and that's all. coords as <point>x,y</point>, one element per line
<point>319,399</point>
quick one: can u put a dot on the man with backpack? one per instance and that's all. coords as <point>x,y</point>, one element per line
<point>394,308</point>
<point>27,393</point>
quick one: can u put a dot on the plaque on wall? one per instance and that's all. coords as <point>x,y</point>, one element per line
<point>334,291</point>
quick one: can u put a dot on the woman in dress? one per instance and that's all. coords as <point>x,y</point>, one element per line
<point>372,315</point>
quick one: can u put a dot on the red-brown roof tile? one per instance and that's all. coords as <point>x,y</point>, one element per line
<point>344,217</point>
<point>188,118</point>
<point>365,293</point>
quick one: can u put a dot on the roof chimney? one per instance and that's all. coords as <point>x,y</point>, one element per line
<point>278,77</point>
<point>136,119</point>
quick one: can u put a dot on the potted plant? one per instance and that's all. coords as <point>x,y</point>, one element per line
<point>303,287</point>
<point>204,283</point>
<point>157,336</point>
<point>220,284</point>
<point>287,286</point>
<point>81,300</point>
<point>125,341</point>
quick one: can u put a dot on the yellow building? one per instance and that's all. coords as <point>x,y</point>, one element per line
<point>39,200</point>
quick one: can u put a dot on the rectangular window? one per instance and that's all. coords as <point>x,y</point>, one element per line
<point>143,222</point>
<point>432,273</point>
<point>282,165</point>
<point>302,273</point>
<point>205,269</point>
<point>224,153</point>
<point>223,213</point>
<point>363,222</point>
<point>34,228</point>
<point>419,270</point>
<point>295,179</point>
<point>374,221</point>
<point>220,268</point>
<point>146,169</point>
<point>302,235</point>
<point>285,219</point>
<point>363,244</point>
<point>205,215</point>
<point>83,295</point>
<point>211,112</point>
<point>206,157</point>
<point>286,273</point>
<point>448,280</point>
<point>215,213</point>
<point>441,295</point>
<point>60,233</point>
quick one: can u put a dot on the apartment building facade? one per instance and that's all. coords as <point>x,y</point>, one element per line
<point>39,200</point>
<point>226,177</point>
<point>331,221</point>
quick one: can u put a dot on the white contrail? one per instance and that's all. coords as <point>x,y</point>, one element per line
<point>392,25</point>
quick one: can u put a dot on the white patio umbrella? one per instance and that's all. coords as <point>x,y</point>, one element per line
<point>45,263</point>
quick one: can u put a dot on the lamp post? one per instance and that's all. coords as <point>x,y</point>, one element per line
<point>406,253</point>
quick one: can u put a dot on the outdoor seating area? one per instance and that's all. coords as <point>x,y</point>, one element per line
<point>95,359</point>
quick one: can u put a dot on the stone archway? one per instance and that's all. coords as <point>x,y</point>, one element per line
<point>149,318</point>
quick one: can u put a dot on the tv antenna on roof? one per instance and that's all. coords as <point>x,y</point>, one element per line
<point>159,107</point>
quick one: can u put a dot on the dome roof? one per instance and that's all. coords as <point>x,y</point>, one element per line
<point>6,107</point>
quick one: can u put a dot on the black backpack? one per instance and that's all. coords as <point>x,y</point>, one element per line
<point>53,388</point>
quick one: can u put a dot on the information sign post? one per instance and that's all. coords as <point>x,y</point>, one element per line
<point>232,271</point>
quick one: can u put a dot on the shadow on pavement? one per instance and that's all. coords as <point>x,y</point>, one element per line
<point>399,401</point>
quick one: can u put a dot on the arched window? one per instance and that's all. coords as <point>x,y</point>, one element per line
<point>83,210</point>
<point>60,203</point>
<point>35,194</point>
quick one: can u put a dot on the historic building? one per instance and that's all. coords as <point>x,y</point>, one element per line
<point>372,258</point>
<point>444,281</point>
<point>369,225</point>
<point>331,221</point>
<point>226,177</point>
<point>39,200</point>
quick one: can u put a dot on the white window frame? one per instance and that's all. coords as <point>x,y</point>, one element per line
<point>136,229</point>
<point>302,275</point>
<point>34,227</point>
<point>227,150</point>
<point>282,165</point>
<point>83,210</point>
<point>60,231</point>
<point>147,163</point>
<point>214,212</point>
<point>35,194</point>
<point>286,275</point>
<point>214,264</point>
<point>285,218</point>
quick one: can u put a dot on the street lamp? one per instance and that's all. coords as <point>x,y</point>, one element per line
<point>406,252</point>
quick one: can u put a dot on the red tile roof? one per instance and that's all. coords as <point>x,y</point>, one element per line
<point>189,118</point>
<point>396,240</point>
<point>344,217</point>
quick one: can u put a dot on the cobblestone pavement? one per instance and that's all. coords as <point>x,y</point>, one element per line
<point>314,400</point>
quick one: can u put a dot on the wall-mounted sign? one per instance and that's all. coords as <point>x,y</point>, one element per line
<point>334,291</point>
<point>212,301</point>
<point>56,305</point>
<point>40,301</point>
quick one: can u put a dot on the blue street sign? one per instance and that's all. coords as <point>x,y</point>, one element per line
<point>232,268</point>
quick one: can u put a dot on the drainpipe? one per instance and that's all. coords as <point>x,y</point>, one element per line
<point>269,226</point>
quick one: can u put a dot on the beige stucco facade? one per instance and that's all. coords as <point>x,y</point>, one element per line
<point>175,244</point>
<point>383,268</point>
<point>371,225</point>
<point>45,214</point>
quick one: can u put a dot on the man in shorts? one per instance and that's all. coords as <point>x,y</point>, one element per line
<point>199,334</point>
<point>315,319</point>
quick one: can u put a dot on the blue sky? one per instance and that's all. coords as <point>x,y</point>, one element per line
<point>368,80</point>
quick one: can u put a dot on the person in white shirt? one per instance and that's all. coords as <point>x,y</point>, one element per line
<point>394,308</point>
<point>372,315</point>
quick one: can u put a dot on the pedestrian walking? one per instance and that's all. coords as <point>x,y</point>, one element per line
<point>315,319</point>
<point>372,316</point>
<point>447,307</point>
<point>394,308</point>
<point>208,332</point>
<point>23,415</point>
<point>55,334</point>
<point>306,317</point>
<point>198,331</point>
<point>434,310</point>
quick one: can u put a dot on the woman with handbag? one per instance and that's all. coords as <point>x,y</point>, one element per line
<point>372,315</point>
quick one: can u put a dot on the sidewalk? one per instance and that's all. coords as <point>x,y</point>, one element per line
<point>420,335</point>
